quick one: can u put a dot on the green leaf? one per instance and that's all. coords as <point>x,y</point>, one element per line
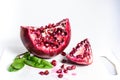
<point>46,63</point>
<point>35,59</point>
<point>26,55</point>
<point>12,69</point>
<point>30,63</point>
<point>38,65</point>
<point>17,65</point>
<point>48,67</point>
<point>19,60</point>
<point>25,58</point>
<point>37,62</point>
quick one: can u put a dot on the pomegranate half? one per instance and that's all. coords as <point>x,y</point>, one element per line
<point>47,41</point>
<point>82,53</point>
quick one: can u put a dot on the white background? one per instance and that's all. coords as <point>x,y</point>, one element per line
<point>97,20</point>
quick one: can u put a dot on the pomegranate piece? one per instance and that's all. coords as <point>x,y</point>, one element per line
<point>48,41</point>
<point>82,53</point>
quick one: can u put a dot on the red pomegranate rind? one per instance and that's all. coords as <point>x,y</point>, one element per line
<point>47,41</point>
<point>82,53</point>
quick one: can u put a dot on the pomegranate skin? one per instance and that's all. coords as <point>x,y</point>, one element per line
<point>42,51</point>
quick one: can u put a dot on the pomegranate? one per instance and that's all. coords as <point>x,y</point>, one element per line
<point>82,53</point>
<point>48,41</point>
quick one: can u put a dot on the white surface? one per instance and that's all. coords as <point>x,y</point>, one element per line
<point>97,20</point>
<point>96,71</point>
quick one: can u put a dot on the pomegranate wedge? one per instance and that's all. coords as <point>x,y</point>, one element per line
<point>82,53</point>
<point>47,41</point>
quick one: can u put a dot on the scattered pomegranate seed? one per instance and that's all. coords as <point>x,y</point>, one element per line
<point>59,71</point>
<point>62,70</point>
<point>46,72</point>
<point>62,66</point>
<point>73,67</point>
<point>64,61</point>
<point>54,62</point>
<point>41,73</point>
<point>60,75</point>
<point>65,71</point>
<point>63,54</point>
<point>68,68</point>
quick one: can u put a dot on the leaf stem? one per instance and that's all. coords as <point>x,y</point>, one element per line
<point>19,56</point>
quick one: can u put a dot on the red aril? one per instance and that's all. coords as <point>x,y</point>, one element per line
<point>82,53</point>
<point>63,54</point>
<point>64,61</point>
<point>46,72</point>
<point>48,41</point>
<point>60,75</point>
<point>54,62</point>
<point>65,71</point>
<point>59,71</point>
<point>73,67</point>
<point>41,73</point>
<point>62,66</point>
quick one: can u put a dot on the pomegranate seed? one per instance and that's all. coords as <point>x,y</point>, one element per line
<point>73,67</point>
<point>60,75</point>
<point>86,46</point>
<point>54,62</point>
<point>79,56</point>
<point>41,73</point>
<point>65,71</point>
<point>71,54</point>
<point>59,71</point>
<point>62,66</point>
<point>63,54</point>
<point>69,68</point>
<point>46,72</point>
<point>64,61</point>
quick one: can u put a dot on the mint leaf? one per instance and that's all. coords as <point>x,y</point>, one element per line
<point>17,65</point>
<point>11,69</point>
<point>46,63</point>
<point>33,61</point>
<point>30,63</point>
<point>37,62</point>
